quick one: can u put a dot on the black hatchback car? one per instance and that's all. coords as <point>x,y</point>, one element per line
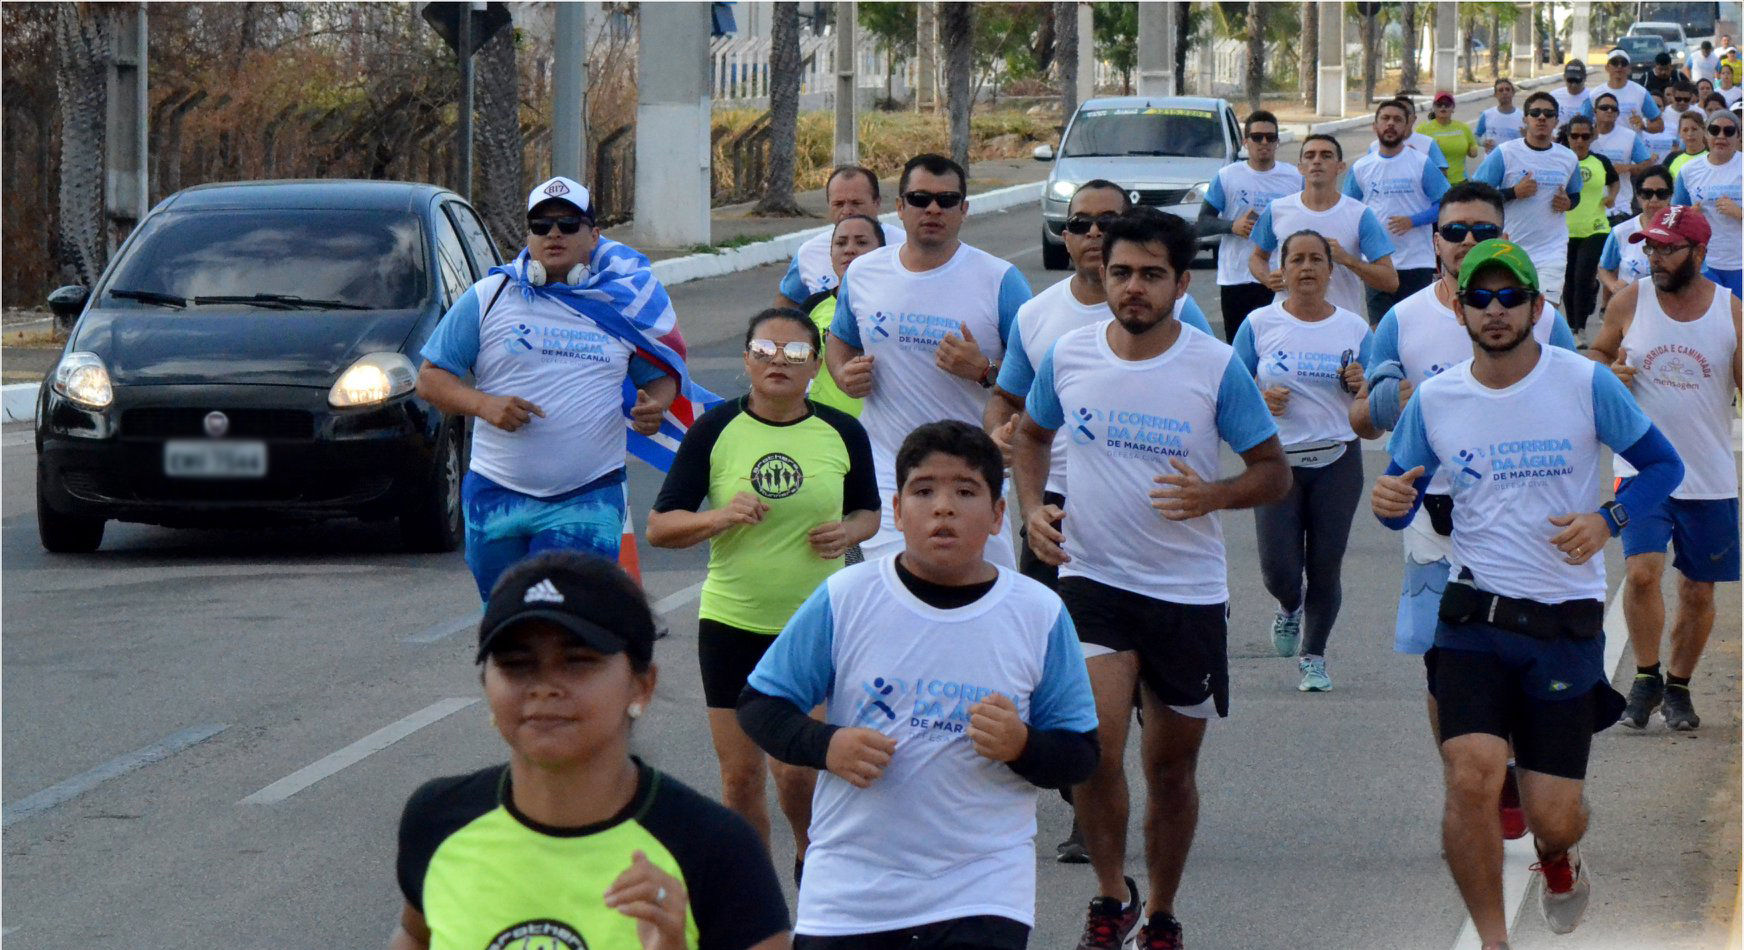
<point>250,354</point>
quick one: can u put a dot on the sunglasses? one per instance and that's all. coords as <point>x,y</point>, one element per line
<point>1509,297</point>
<point>924,199</point>
<point>1722,131</point>
<point>1604,108</point>
<point>569,224</point>
<point>1262,137</point>
<point>1080,223</point>
<point>1579,136</point>
<point>1681,100</point>
<point>1456,232</point>
<point>1540,113</point>
<point>765,351</point>
<point>1654,193</point>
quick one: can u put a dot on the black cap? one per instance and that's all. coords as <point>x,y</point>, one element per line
<point>1663,59</point>
<point>589,597</point>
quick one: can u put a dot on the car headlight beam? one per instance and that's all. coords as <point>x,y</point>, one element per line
<point>373,379</point>
<point>1063,190</point>
<point>82,378</point>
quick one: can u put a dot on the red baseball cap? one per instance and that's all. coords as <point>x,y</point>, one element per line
<point>1674,224</point>
<point>1441,97</point>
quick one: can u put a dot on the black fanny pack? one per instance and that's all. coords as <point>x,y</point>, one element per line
<point>1462,603</point>
<point>1440,508</point>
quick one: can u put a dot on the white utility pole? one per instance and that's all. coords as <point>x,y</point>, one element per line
<point>1329,91</point>
<point>847,95</point>
<point>1156,49</point>
<point>672,124</point>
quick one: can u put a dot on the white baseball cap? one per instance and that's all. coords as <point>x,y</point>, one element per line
<point>566,190</point>
<point>1619,53</point>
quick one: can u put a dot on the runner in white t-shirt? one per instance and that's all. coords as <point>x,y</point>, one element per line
<point>850,190</point>
<point>1402,187</point>
<point>1626,149</point>
<point>1574,93</point>
<point>1636,109</point>
<point>1415,140</point>
<point>1240,193</point>
<point>920,329</point>
<point>1705,63</point>
<point>1540,180</point>
<point>1501,122</point>
<point>1145,404</point>
<point>1362,252</point>
<point>1622,262</point>
<point>1714,184</point>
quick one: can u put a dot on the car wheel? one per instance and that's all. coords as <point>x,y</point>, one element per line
<point>64,533</point>
<point>1054,256</point>
<point>433,520</point>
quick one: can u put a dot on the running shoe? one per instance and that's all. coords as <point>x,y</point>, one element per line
<point>1567,889</point>
<point>1645,695</point>
<point>1108,926</point>
<point>1679,712</point>
<point>1161,932</point>
<point>1287,631</point>
<point>1513,816</point>
<point>1072,850</point>
<point>1314,678</point>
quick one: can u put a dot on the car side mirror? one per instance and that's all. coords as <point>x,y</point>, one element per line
<point>1241,154</point>
<point>69,301</point>
<point>1043,153</point>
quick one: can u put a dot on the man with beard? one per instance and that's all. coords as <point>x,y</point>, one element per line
<point>933,314</point>
<point>1362,253</point>
<point>1402,187</point>
<point>1714,185</point>
<point>1520,645</point>
<point>1670,343</point>
<point>1540,180</point>
<point>1233,204</point>
<point>1145,403</point>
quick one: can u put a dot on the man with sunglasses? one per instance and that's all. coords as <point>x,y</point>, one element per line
<point>1501,122</point>
<point>1635,109</point>
<point>1240,193</point>
<point>1670,339</point>
<point>920,329</point>
<point>1519,647</point>
<point>850,190</point>
<point>1714,184</point>
<point>1660,145</point>
<point>1403,188</point>
<point>1362,252</point>
<point>1574,93</point>
<point>1540,180</point>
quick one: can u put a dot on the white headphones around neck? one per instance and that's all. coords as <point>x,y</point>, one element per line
<point>536,274</point>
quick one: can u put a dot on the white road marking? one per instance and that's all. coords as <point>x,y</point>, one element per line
<point>443,629</point>
<point>356,752</point>
<point>677,599</point>
<point>114,768</point>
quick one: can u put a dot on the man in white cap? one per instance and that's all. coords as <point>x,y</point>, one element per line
<point>548,372</point>
<point>1635,108</point>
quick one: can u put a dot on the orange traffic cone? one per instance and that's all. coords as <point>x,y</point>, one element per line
<point>628,558</point>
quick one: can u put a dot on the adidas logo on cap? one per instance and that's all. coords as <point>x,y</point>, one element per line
<point>544,591</point>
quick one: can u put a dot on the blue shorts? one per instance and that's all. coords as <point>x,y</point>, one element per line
<point>504,526</point>
<point>1419,606</point>
<point>1732,280</point>
<point>1703,535</point>
<point>1544,670</point>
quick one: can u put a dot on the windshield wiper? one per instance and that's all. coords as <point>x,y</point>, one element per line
<point>283,302</point>
<point>1149,151</point>
<point>150,296</point>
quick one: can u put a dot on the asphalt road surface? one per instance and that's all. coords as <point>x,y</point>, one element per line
<point>208,735</point>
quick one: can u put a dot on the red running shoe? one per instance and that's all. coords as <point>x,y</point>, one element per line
<point>1513,816</point>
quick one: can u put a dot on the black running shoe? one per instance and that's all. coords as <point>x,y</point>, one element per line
<point>1161,932</point>
<point>1679,712</point>
<point>1645,695</point>
<point>1108,926</point>
<point>1072,850</point>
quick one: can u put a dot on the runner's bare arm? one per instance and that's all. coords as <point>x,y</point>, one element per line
<point>1619,313</point>
<point>451,394</point>
<point>413,933</point>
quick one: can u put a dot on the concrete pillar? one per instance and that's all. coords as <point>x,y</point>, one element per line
<point>1525,41</point>
<point>1580,34</point>
<point>847,96</point>
<point>569,94</point>
<point>1329,97</point>
<point>126,128</point>
<point>1086,53</point>
<point>926,42</point>
<point>672,125</point>
<point>1204,59</point>
<point>1446,46</point>
<point>1156,49</point>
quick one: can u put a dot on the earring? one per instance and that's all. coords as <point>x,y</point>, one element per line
<point>635,710</point>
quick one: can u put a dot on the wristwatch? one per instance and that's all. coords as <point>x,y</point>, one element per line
<point>1616,514</point>
<point>988,375</point>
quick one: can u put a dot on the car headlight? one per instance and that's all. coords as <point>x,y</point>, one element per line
<point>375,378</point>
<point>1063,190</point>
<point>82,378</point>
<point>1197,193</point>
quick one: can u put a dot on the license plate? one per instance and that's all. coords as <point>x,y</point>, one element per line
<point>214,459</point>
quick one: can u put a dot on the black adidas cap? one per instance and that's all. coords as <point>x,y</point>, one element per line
<point>591,598</point>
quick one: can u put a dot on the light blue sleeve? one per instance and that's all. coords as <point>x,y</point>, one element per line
<point>1641,154</point>
<point>1434,184</point>
<point>1372,238</point>
<point>453,345</point>
<point>1017,373</point>
<point>1350,186</point>
<point>792,287</point>
<point>843,324</point>
<point>1385,345</point>
<point>1262,236</point>
<point>1435,154</point>
<point>1482,118</point>
<point>1679,194</point>
<point>1586,108</point>
<point>643,372</point>
<point>1244,348</point>
<point>1409,445</point>
<point>1193,316</point>
<point>1561,335</point>
<point>1013,293</point>
<point>800,665</point>
<point>1649,110</point>
<point>1619,421</point>
<point>1062,699</point>
<point>1043,404</point>
<point>1574,182</point>
<point>1366,351</point>
<point>1611,258</point>
<point>1243,420</point>
<point>1492,169</point>
<point>1214,195</point>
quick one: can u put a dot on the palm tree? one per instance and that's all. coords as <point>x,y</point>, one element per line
<point>82,36</point>
<point>1256,53</point>
<point>500,189</point>
<point>1066,56</point>
<point>957,37</point>
<point>1309,61</point>
<point>1371,57</point>
<point>1408,47</point>
<point>784,79</point>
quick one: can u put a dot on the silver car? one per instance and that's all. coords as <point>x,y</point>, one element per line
<point>1165,150</point>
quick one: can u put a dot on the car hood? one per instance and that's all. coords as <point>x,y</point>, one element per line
<point>1139,170</point>
<point>247,346</point>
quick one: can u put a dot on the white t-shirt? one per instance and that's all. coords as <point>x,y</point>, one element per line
<point>1306,358</point>
<point>811,270</point>
<point>1631,99</point>
<point>1349,222</point>
<point>1236,189</point>
<point>1733,95</point>
<point>1405,184</point>
<point>1529,221</point>
<point>1622,257</point>
<point>1040,322</point>
<point>1699,184</point>
<point>1495,126</point>
<point>1704,67</point>
<point>1126,422</point>
<point>1570,104</point>
<point>944,832</point>
<point>1623,146</point>
<point>1661,144</point>
<point>1683,381</point>
<point>1420,143</point>
<point>1517,457</point>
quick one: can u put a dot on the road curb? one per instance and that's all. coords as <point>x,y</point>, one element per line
<point>1357,122</point>
<point>691,267</point>
<point>17,402</point>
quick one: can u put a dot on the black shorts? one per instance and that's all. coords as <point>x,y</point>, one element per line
<point>727,656</point>
<point>1183,649</point>
<point>1028,564</point>
<point>982,932</point>
<point>1478,693</point>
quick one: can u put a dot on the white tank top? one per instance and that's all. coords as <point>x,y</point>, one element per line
<point>1683,381</point>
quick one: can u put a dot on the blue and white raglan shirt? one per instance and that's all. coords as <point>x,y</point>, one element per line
<point>1623,258</point>
<point>1495,126</point>
<point>1623,146</point>
<point>811,270</point>
<point>898,316</point>
<point>1569,104</point>
<point>1661,144</point>
<point>1529,221</point>
<point>1238,189</point>
<point>555,358</point>
<point>1631,99</point>
<point>1305,357</point>
<point>1405,184</point>
<point>1127,422</point>
<point>944,832</point>
<point>1349,222</point>
<point>1422,144</point>
<point>1699,185</point>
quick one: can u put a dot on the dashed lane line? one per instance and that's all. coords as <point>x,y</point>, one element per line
<point>356,752</point>
<point>114,768</point>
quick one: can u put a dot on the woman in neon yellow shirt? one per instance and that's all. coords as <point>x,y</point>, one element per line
<point>1454,137</point>
<point>854,235</point>
<point>1693,133</point>
<point>1587,224</point>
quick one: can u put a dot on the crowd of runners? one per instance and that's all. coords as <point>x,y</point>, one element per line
<point>912,658</point>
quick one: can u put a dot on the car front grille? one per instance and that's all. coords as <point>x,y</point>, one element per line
<point>1161,196</point>
<point>178,422</point>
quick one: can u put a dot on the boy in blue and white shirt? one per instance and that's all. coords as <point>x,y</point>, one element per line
<point>954,688</point>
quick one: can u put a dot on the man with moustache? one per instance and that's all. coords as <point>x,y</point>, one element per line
<point>1403,188</point>
<point>1540,180</point>
<point>850,190</point>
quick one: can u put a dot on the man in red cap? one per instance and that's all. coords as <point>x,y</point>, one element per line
<point>1675,343</point>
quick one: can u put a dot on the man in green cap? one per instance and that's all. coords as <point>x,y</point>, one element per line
<point>1519,649</point>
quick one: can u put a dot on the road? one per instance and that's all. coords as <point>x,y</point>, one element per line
<point>209,735</point>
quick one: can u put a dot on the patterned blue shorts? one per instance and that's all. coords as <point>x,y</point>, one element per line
<point>504,526</point>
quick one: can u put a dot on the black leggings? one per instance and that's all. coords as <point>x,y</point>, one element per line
<point>1306,534</point>
<point>1580,286</point>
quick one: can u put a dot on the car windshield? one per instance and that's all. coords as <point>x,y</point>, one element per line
<point>352,260</point>
<point>1193,133</point>
<point>1639,44</point>
<point>1667,33</point>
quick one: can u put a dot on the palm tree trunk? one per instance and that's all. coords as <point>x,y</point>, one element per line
<point>1066,56</point>
<point>500,190</point>
<point>82,34</point>
<point>1495,46</point>
<point>1371,57</point>
<point>1408,43</point>
<point>1310,74</point>
<point>1256,53</point>
<point>783,113</point>
<point>957,36</point>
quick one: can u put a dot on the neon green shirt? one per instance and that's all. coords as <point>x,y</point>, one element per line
<point>1679,162</point>
<point>824,389</point>
<point>1455,139</point>
<point>1587,217</point>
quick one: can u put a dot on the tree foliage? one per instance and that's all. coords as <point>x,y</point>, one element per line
<point>1116,27</point>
